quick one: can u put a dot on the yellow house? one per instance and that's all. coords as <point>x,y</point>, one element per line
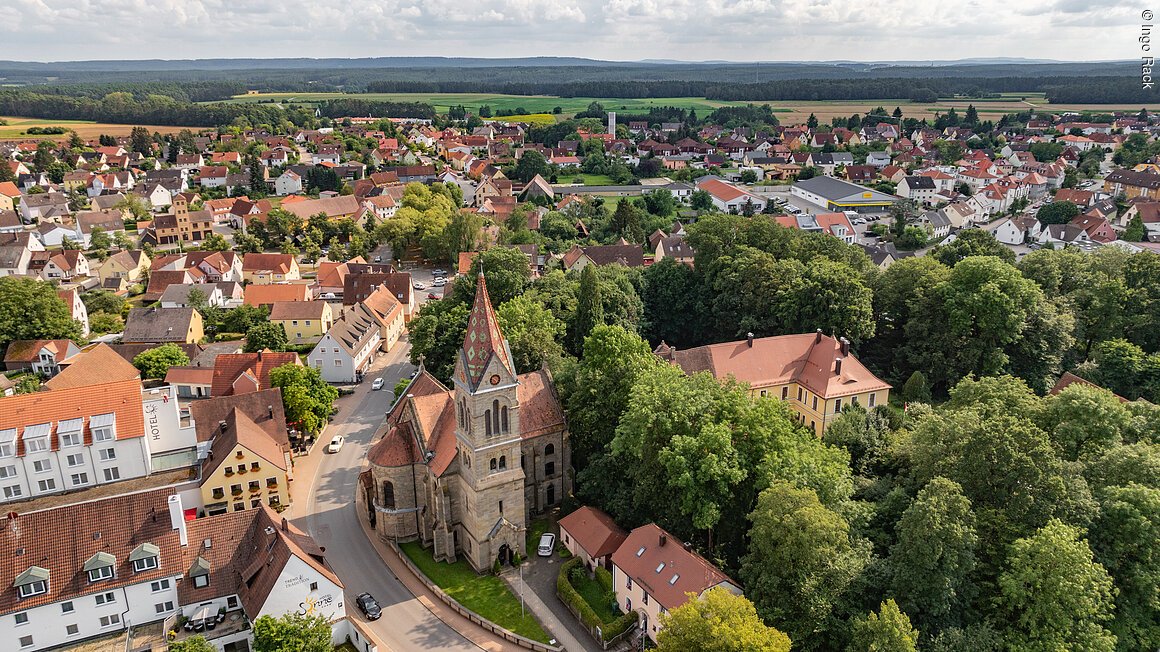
<point>814,373</point>
<point>131,265</point>
<point>270,268</point>
<point>247,467</point>
<point>303,320</point>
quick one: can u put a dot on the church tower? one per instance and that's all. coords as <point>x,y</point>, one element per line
<point>487,432</point>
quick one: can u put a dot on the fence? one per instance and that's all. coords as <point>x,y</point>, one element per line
<point>505,634</point>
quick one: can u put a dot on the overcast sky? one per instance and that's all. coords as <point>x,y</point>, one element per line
<point>691,30</point>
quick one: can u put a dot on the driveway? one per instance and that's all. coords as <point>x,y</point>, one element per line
<point>540,576</point>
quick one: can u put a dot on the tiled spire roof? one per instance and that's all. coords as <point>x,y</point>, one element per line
<point>483,339</point>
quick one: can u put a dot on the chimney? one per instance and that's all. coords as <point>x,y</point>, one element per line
<point>285,525</point>
<point>837,366</point>
<point>270,409</point>
<point>845,346</point>
<point>177,518</point>
<point>818,336</point>
<point>664,540</point>
<point>222,425</point>
<point>749,339</point>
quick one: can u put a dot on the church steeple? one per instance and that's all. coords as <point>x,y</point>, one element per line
<point>484,341</point>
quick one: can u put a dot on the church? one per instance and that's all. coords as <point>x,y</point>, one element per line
<point>464,469</point>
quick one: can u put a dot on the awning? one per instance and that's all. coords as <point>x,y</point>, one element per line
<point>201,614</point>
<point>33,574</point>
<point>144,551</point>
<point>100,560</point>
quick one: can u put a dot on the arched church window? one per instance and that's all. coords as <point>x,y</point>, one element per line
<point>487,420</point>
<point>502,462</point>
<point>495,415</point>
<point>493,464</point>
<point>503,418</point>
<point>388,495</point>
<point>549,449</point>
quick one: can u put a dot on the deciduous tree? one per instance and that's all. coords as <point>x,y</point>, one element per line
<point>718,622</point>
<point>154,363</point>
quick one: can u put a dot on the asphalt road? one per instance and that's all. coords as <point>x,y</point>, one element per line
<point>330,518</point>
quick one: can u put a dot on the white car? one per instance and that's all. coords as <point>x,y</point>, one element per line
<point>378,384</point>
<point>420,286</point>
<point>335,444</point>
<point>547,545</point>
<point>439,282</point>
<point>439,272</point>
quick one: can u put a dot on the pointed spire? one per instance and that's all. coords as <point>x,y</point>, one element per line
<point>483,339</point>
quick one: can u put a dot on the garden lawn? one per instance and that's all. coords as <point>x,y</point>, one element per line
<point>535,529</point>
<point>486,595</point>
<point>593,594</point>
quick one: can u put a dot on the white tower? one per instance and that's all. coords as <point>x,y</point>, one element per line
<point>612,123</point>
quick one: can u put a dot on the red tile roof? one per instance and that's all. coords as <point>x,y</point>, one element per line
<point>662,558</point>
<point>228,367</point>
<point>594,531</point>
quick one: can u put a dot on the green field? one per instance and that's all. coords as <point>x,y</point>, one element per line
<point>497,102</point>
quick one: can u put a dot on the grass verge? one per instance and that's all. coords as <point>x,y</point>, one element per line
<point>486,595</point>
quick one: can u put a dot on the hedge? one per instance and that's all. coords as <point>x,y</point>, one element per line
<point>605,579</point>
<point>619,626</point>
<point>569,595</point>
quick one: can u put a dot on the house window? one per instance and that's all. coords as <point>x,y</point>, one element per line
<point>79,479</point>
<point>815,402</point>
<point>101,573</point>
<point>71,630</point>
<point>219,493</point>
<point>201,581</point>
<point>799,394</point>
<point>159,585</point>
<point>46,485</point>
<point>232,602</point>
<point>37,445</point>
<point>257,502</point>
<point>784,393</point>
<point>338,363</point>
<point>33,588</point>
<point>110,620</point>
<point>388,495</point>
<point>25,641</point>
<point>763,393</point>
<point>70,439</point>
<point>644,600</point>
<point>628,583</point>
<point>75,459</point>
<point>837,405</point>
<point>144,564</point>
<point>495,416</point>
<point>550,469</point>
<point>13,491</point>
<point>255,485</point>
<point>254,466</point>
<point>103,427</point>
<point>164,607</point>
<point>66,607</point>
<point>628,604</point>
<point>871,401</point>
<point>854,400</point>
<point>106,598</point>
<point>501,507</point>
<point>7,472</point>
<point>108,454</point>
<point>40,466</point>
<point>22,618</point>
<point>112,473</point>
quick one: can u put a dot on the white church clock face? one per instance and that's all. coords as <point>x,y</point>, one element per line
<point>495,379</point>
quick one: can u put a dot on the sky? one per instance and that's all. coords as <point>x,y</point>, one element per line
<point>620,30</point>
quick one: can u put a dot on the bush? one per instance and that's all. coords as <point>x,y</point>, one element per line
<point>569,595</point>
<point>619,626</point>
<point>605,580</point>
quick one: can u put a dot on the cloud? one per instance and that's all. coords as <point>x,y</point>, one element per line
<point>738,30</point>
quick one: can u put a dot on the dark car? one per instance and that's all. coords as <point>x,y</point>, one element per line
<point>369,606</point>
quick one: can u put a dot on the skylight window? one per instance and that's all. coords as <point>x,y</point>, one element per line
<point>673,579</point>
<point>661,567</point>
<point>640,552</point>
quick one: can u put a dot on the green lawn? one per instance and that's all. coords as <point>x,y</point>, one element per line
<point>498,101</point>
<point>589,179</point>
<point>486,595</point>
<point>535,529</point>
<point>593,593</point>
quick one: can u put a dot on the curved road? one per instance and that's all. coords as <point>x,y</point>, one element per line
<point>330,518</point>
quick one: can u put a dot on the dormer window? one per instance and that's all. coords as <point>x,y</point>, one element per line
<point>70,432</point>
<point>36,438</point>
<point>199,572</point>
<point>33,581</point>
<point>104,427</point>
<point>145,557</point>
<point>8,442</point>
<point>100,566</point>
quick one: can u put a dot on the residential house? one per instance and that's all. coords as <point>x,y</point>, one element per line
<point>1132,184</point>
<point>729,198</point>
<point>629,255</point>
<point>879,159</point>
<point>9,196</point>
<point>249,464</point>
<point>835,224</point>
<point>242,373</point>
<point>814,373</point>
<point>76,308</point>
<point>345,353</point>
<point>303,321</point>
<point>177,295</point>
<point>163,326</point>
<point>917,188</point>
<point>1063,235</point>
<point>270,268</point>
<point>389,313</point>
<point>268,295</point>
<point>1098,228</point>
<point>16,252</point>
<point>129,264</point>
<point>653,573</point>
<point>54,234</point>
<point>592,535</point>
<point>109,221</point>
<point>937,223</point>
<point>191,381</point>
<point>65,265</point>
<point>288,183</point>
<point>44,357</point>
<point>44,206</point>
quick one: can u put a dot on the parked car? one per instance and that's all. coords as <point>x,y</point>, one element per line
<point>419,286</point>
<point>378,259</point>
<point>369,606</point>
<point>432,295</point>
<point>547,545</point>
<point>378,384</point>
<point>335,444</point>
<point>439,282</point>
<point>439,271</point>
<point>327,295</point>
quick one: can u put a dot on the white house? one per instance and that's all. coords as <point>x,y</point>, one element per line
<point>288,183</point>
<point>728,197</point>
<point>1007,232</point>
<point>1063,235</point>
<point>917,188</point>
<point>346,351</point>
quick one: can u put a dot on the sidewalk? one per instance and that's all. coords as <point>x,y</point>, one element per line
<point>534,604</point>
<point>483,639</point>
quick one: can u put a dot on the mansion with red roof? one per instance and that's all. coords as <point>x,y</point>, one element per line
<point>463,469</point>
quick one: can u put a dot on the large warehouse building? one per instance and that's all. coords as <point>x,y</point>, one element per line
<point>838,195</point>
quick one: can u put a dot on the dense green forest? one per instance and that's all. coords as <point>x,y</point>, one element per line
<point>998,519</point>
